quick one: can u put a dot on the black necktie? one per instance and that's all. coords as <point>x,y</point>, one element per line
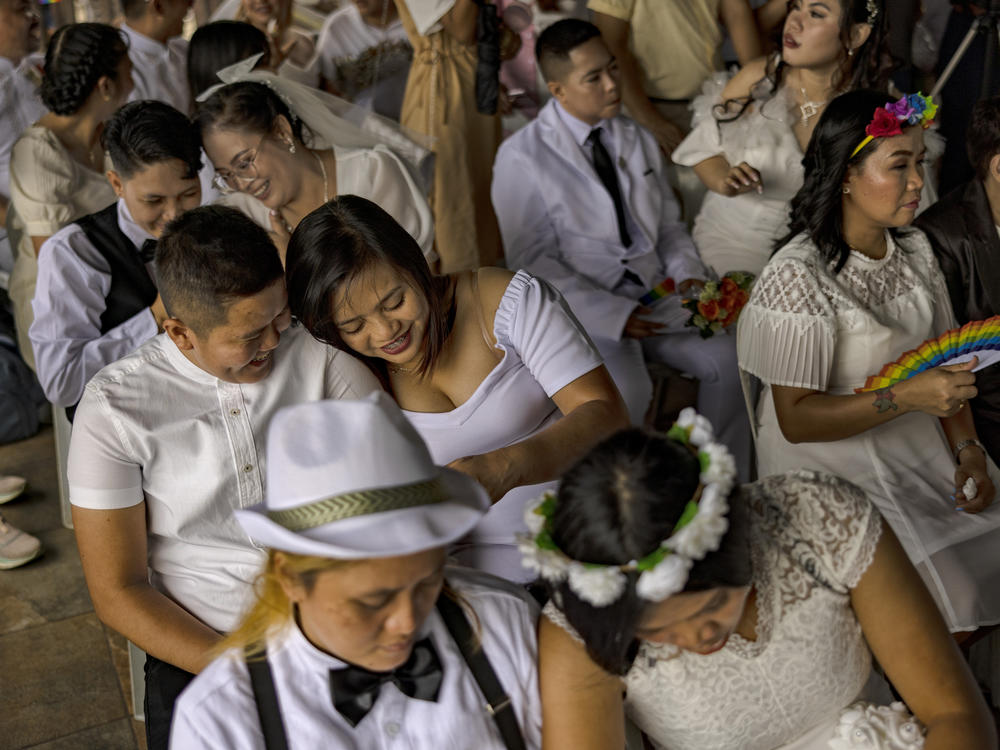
<point>355,689</point>
<point>148,251</point>
<point>606,171</point>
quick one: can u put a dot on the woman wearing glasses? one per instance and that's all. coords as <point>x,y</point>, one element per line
<point>277,164</point>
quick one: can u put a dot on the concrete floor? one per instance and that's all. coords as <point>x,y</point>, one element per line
<point>64,680</point>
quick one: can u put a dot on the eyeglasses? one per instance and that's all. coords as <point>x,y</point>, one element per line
<point>230,181</point>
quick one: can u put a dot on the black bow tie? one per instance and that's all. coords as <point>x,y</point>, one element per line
<point>148,251</point>
<point>355,689</point>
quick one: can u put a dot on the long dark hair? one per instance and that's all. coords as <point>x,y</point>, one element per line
<point>218,45</point>
<point>617,504</point>
<point>817,209</point>
<point>78,56</point>
<point>246,106</point>
<point>868,67</point>
<point>333,246</point>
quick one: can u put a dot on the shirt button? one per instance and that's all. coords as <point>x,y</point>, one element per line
<point>248,468</point>
<point>624,262</point>
<point>391,728</point>
<point>234,412</point>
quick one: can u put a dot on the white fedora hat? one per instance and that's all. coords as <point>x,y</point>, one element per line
<point>352,480</point>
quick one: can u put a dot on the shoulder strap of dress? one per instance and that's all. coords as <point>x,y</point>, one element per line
<point>483,328</point>
<point>266,697</point>
<point>498,704</point>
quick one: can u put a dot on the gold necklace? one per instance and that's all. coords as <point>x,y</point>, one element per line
<point>396,369</point>
<point>809,109</point>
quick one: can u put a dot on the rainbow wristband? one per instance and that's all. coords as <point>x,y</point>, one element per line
<point>661,290</point>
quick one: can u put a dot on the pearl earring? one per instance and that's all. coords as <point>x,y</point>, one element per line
<point>846,190</point>
<point>291,148</point>
<point>850,52</point>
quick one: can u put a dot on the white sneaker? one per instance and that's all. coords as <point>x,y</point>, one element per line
<point>11,487</point>
<point>16,547</point>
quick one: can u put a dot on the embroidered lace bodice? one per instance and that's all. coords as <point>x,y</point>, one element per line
<point>810,316</point>
<point>812,536</point>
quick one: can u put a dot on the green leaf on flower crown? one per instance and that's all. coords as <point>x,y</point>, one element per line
<point>704,460</point>
<point>679,434</point>
<point>544,541</point>
<point>653,559</point>
<point>690,511</point>
<point>547,507</point>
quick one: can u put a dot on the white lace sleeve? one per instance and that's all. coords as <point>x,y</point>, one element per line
<point>786,332</point>
<point>826,523</point>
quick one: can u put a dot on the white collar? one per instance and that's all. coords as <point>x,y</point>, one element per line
<point>142,43</point>
<point>7,66</point>
<point>578,128</point>
<point>136,234</point>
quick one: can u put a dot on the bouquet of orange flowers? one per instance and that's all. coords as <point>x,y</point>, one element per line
<point>719,304</point>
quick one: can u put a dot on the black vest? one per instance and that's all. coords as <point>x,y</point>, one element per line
<point>132,290</point>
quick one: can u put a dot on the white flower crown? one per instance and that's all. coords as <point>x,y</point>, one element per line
<point>664,571</point>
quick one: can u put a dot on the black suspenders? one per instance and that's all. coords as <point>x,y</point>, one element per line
<point>498,704</point>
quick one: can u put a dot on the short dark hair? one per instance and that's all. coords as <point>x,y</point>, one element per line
<point>218,45</point>
<point>246,106</point>
<point>617,504</point>
<point>148,132</point>
<point>78,56</point>
<point>983,138</point>
<point>817,210</point>
<point>333,246</point>
<point>133,9</point>
<point>210,257</point>
<point>554,45</point>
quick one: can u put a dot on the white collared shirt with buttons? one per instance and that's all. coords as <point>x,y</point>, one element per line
<point>155,427</point>
<point>218,711</point>
<point>20,106</point>
<point>70,297</point>
<point>159,71</point>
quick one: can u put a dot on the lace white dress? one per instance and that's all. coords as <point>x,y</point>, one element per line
<point>812,536</point>
<point>738,233</point>
<point>805,327</point>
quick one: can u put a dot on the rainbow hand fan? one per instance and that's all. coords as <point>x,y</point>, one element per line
<point>979,338</point>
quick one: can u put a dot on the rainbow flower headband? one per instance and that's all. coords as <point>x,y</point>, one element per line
<point>664,571</point>
<point>912,109</point>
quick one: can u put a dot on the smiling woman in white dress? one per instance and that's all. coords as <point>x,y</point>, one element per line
<point>724,618</point>
<point>491,367</point>
<point>852,289</point>
<point>279,152</point>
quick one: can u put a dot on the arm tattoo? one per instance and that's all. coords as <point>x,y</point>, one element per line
<point>885,400</point>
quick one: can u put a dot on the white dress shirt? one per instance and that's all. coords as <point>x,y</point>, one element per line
<point>558,220</point>
<point>70,297</point>
<point>155,427</point>
<point>20,106</point>
<point>218,711</point>
<point>159,71</point>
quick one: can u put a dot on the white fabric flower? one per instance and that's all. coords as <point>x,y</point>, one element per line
<point>713,501</point>
<point>701,536</point>
<point>865,726</point>
<point>533,518</point>
<point>598,586</point>
<point>665,580</point>
<point>721,467</point>
<point>549,564</point>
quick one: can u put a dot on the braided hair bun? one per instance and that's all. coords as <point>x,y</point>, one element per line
<point>78,56</point>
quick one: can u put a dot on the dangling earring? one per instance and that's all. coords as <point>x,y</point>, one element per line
<point>291,147</point>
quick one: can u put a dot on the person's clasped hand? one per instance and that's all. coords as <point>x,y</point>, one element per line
<point>940,391</point>
<point>741,179</point>
<point>638,327</point>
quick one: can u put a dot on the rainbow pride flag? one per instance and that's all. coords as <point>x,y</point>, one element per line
<point>977,338</point>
